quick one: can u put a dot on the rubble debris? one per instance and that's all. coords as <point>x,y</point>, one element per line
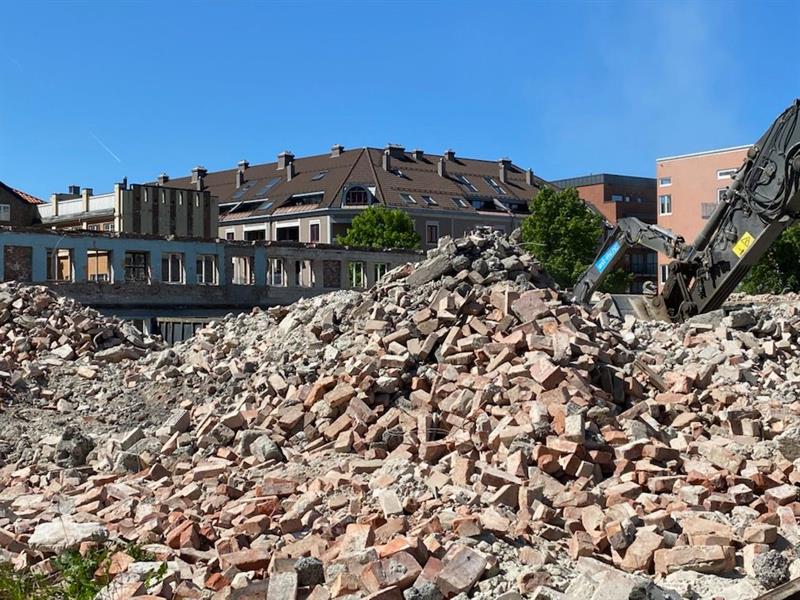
<point>456,431</point>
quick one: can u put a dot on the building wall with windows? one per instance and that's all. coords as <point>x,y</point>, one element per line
<point>305,198</point>
<point>617,197</point>
<point>152,209</point>
<point>689,187</point>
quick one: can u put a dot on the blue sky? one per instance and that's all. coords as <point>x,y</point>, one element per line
<point>92,92</point>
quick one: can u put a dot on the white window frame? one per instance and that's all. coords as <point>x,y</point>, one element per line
<point>665,181</point>
<point>357,274</point>
<point>106,277</point>
<point>231,232</point>
<point>661,210</point>
<point>380,270</point>
<point>108,227</point>
<point>201,275</point>
<point>169,276</point>
<point>411,200</point>
<point>319,229</point>
<point>53,254</point>
<point>438,232</point>
<point>663,273</point>
<point>726,173</point>
<point>243,270</point>
<point>259,227</point>
<point>276,274</point>
<point>5,213</point>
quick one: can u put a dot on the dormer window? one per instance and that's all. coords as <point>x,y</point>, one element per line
<point>466,183</point>
<point>494,185</point>
<point>357,196</point>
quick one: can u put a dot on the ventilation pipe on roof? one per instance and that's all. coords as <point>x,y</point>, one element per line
<point>290,173</point>
<point>74,190</point>
<point>503,164</point>
<point>198,174</point>
<point>529,177</point>
<point>336,150</point>
<point>418,154</point>
<point>163,179</point>
<point>442,168</point>
<point>387,161</point>
<point>449,154</point>
<point>285,158</point>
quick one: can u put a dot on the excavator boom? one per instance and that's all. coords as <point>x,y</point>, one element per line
<point>760,203</point>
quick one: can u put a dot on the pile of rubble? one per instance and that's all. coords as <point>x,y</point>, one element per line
<point>456,431</point>
<point>40,330</point>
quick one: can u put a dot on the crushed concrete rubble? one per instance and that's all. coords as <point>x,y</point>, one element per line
<point>457,431</point>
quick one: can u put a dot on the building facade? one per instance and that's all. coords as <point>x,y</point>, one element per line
<point>314,199</point>
<point>617,197</point>
<point>689,188</point>
<point>17,208</point>
<point>150,209</point>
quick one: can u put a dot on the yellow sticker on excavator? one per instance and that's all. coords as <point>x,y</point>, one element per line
<point>743,245</point>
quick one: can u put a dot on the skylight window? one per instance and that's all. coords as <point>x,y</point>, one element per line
<point>242,190</point>
<point>460,202</point>
<point>465,182</point>
<point>267,187</point>
<point>494,185</point>
<point>319,176</point>
<point>429,201</point>
<point>408,198</point>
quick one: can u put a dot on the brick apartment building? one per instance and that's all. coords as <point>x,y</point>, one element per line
<point>689,188</point>
<point>616,197</point>
<point>314,199</point>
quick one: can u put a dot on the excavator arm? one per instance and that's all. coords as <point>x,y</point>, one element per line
<point>762,201</point>
<point>628,233</point>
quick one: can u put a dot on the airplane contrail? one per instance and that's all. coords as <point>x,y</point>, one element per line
<point>106,148</point>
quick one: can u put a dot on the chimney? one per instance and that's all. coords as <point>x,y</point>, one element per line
<point>395,151</point>
<point>163,179</point>
<point>198,173</point>
<point>529,177</point>
<point>503,164</point>
<point>290,171</point>
<point>336,150</point>
<point>449,154</point>
<point>285,158</point>
<point>87,192</point>
<point>442,168</point>
<point>124,184</point>
<point>239,178</point>
<point>387,160</point>
<point>74,190</point>
<point>418,154</point>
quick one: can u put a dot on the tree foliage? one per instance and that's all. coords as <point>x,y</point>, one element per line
<point>616,282</point>
<point>563,233</point>
<point>379,227</point>
<point>779,269</point>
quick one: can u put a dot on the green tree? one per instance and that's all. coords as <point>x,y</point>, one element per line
<point>616,282</point>
<point>379,227</point>
<point>563,233</point>
<point>779,268</point>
